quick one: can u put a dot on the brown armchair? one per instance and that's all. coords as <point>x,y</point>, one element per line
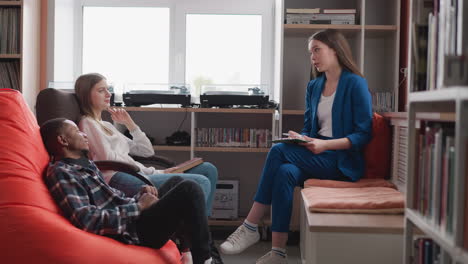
<point>52,103</point>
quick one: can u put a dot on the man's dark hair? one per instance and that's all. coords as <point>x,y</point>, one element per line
<point>49,132</point>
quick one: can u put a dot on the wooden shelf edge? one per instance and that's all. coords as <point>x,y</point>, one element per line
<point>233,110</point>
<point>10,56</point>
<point>432,231</point>
<point>434,116</point>
<point>232,149</point>
<point>319,26</point>
<point>199,110</point>
<point>381,27</point>
<point>171,148</point>
<point>443,94</point>
<point>10,3</point>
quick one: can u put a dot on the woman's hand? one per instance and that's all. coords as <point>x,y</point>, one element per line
<point>121,116</point>
<point>315,145</point>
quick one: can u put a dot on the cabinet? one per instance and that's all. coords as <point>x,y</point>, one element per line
<point>11,13</point>
<point>436,214</point>
<point>374,41</point>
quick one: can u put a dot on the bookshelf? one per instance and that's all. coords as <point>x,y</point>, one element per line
<point>374,41</point>
<point>436,187</point>
<point>11,17</point>
<point>243,164</point>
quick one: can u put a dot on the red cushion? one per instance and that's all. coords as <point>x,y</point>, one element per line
<point>377,153</point>
<point>31,227</point>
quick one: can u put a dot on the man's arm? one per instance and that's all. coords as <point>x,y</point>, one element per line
<point>74,200</point>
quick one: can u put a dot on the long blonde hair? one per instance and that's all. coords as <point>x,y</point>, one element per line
<point>336,41</point>
<point>83,87</point>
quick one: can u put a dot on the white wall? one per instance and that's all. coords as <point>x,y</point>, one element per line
<point>31,51</point>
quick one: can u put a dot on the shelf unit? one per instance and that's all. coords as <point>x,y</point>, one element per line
<point>11,45</point>
<point>233,163</point>
<point>453,106</point>
<point>374,41</point>
<point>426,207</point>
<point>194,112</point>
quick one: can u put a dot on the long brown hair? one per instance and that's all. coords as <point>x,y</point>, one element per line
<point>336,41</point>
<point>83,86</point>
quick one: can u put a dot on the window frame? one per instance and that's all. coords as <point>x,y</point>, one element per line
<point>178,9</point>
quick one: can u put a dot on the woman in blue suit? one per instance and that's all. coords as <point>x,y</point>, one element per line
<point>337,125</point>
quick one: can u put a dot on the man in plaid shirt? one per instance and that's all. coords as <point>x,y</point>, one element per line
<point>149,218</point>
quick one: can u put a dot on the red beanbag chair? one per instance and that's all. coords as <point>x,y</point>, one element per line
<point>31,225</point>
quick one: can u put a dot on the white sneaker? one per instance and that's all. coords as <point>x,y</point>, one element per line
<point>238,241</point>
<point>272,258</point>
<point>186,258</point>
<point>208,261</point>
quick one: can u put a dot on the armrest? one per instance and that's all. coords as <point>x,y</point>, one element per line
<point>123,167</point>
<point>155,160</point>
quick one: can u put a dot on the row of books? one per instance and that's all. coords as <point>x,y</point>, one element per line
<point>383,102</point>
<point>9,74</point>
<point>437,45</point>
<point>435,174</point>
<point>10,30</point>
<point>426,251</point>
<point>314,16</point>
<point>233,137</point>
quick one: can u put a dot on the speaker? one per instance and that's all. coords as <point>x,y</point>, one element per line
<point>226,200</point>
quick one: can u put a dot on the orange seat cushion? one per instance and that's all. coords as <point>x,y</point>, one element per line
<point>363,183</point>
<point>31,226</point>
<point>377,153</point>
<point>378,200</point>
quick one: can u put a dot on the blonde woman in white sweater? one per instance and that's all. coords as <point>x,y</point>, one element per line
<point>107,143</point>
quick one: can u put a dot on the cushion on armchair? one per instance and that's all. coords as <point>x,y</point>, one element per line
<point>377,153</point>
<point>31,225</point>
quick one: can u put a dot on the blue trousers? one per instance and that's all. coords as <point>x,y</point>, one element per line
<point>288,166</point>
<point>205,174</point>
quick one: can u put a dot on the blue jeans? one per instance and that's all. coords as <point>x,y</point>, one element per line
<point>205,174</point>
<point>288,166</point>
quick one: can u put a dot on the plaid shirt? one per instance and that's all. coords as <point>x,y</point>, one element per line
<point>90,203</point>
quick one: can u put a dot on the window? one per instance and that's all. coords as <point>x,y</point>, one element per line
<point>223,49</point>
<point>126,44</point>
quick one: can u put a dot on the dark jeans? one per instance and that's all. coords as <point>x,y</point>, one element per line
<point>181,209</point>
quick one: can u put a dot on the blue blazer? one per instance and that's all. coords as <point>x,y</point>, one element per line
<point>351,118</point>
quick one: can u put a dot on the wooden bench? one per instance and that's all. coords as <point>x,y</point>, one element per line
<point>328,238</point>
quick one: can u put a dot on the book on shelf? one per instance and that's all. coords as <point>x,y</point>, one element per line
<point>185,166</point>
<point>339,11</point>
<point>434,175</point>
<point>233,137</point>
<point>440,24</point>
<point>302,10</point>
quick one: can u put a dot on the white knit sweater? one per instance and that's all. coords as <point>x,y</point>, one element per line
<point>116,146</point>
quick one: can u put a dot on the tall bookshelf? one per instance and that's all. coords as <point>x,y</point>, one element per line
<point>11,17</point>
<point>436,215</point>
<point>374,41</point>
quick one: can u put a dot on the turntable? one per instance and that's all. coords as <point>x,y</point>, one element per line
<point>147,94</point>
<point>233,95</point>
